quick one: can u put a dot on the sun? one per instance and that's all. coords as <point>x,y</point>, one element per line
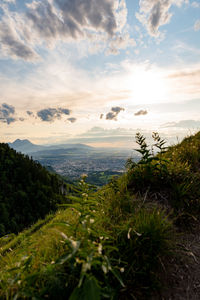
<point>148,86</point>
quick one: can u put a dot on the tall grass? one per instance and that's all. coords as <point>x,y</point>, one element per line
<point>101,245</point>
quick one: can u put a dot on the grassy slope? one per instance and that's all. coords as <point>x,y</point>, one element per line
<point>113,244</point>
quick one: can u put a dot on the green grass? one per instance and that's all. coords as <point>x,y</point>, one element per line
<point>83,252</point>
<point>110,244</point>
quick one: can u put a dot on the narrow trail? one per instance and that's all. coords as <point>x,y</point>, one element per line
<point>184,280</point>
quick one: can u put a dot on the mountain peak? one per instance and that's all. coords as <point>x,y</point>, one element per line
<point>19,142</point>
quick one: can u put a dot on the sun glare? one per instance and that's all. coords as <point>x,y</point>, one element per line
<point>148,86</point>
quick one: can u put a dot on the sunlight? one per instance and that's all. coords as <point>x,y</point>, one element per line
<point>148,86</point>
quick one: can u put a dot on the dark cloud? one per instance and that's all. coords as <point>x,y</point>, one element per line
<point>52,20</point>
<point>71,18</point>
<point>187,124</point>
<point>7,113</point>
<point>51,114</point>
<point>117,109</point>
<point>156,13</point>
<point>64,111</point>
<point>29,113</point>
<point>21,119</point>
<point>141,113</point>
<point>111,116</point>
<point>12,45</point>
<point>114,113</point>
<point>72,120</point>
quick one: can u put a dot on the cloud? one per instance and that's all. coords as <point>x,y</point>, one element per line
<point>104,132</point>
<point>21,119</point>
<point>117,109</point>
<point>72,120</point>
<point>187,124</point>
<point>72,19</point>
<point>51,114</point>
<point>141,113</point>
<point>197,25</point>
<point>155,13</point>
<point>195,4</point>
<point>114,113</point>
<point>120,42</point>
<point>111,116</point>
<point>11,44</point>
<point>9,1</point>
<point>29,113</point>
<point>103,23</point>
<point>7,113</point>
<point>186,74</point>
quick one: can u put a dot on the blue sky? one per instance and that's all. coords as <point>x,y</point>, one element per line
<point>97,71</point>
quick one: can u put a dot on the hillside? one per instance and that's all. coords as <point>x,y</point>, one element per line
<point>135,235</point>
<point>27,191</point>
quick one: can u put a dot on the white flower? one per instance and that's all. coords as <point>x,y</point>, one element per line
<point>100,249</point>
<point>128,235</point>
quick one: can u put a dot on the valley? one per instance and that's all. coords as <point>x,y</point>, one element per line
<point>72,160</point>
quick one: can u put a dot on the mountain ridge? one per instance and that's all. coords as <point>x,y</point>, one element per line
<point>27,147</point>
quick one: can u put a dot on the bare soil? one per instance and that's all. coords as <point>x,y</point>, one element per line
<point>182,279</point>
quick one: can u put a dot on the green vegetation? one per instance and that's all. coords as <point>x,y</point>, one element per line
<point>171,177</point>
<point>113,243</point>
<point>27,191</point>
<point>100,178</point>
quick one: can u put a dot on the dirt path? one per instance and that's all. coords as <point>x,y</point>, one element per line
<point>184,280</point>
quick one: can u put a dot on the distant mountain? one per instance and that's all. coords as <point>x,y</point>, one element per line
<point>55,153</point>
<point>26,147</point>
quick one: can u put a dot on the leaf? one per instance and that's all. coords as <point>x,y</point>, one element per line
<point>61,260</point>
<point>75,245</point>
<point>31,279</point>
<point>76,294</point>
<point>117,275</point>
<point>91,289</point>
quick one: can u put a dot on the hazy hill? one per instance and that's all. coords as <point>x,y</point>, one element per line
<point>26,147</point>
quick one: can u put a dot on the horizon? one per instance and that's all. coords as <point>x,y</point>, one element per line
<point>99,72</point>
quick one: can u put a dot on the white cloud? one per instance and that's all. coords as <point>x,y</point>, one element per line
<point>155,13</point>
<point>197,25</point>
<point>195,4</point>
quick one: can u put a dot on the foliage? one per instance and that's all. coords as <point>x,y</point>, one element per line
<point>110,243</point>
<point>27,191</point>
<point>172,172</point>
<point>83,253</point>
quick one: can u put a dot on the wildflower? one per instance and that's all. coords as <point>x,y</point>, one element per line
<point>100,249</point>
<point>84,176</point>
<point>128,235</point>
<point>91,221</point>
<point>105,269</point>
<point>122,270</point>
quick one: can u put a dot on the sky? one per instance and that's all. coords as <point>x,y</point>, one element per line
<point>98,71</point>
